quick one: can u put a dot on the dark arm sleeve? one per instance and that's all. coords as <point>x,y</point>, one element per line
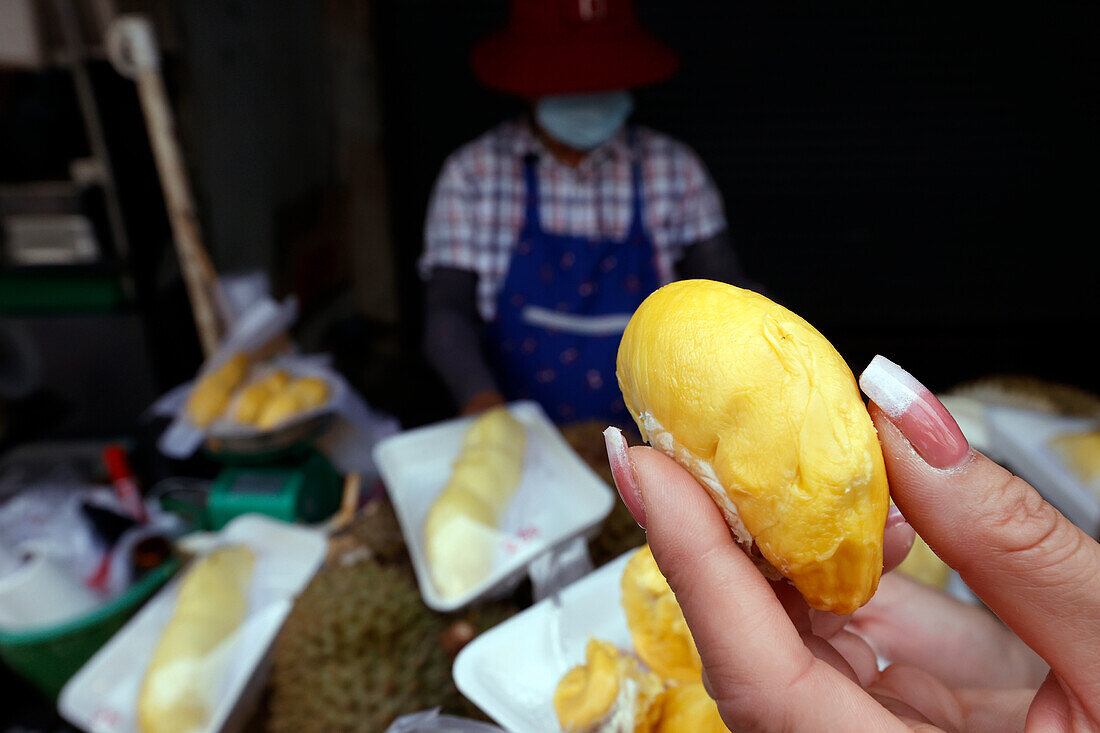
<point>453,333</point>
<point>715,259</point>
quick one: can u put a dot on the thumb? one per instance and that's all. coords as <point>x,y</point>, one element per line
<point>1035,569</point>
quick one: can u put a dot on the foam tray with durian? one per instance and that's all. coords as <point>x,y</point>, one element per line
<point>610,652</point>
<point>191,659</point>
<point>479,499</point>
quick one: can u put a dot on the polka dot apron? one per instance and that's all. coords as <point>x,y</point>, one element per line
<point>562,310</point>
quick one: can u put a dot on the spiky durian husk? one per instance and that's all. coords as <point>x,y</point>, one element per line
<point>360,647</point>
<point>358,650</point>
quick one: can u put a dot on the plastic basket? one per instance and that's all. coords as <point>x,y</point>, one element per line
<point>48,657</point>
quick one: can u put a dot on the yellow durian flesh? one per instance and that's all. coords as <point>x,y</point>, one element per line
<point>460,532</point>
<point>276,410</point>
<point>649,703</point>
<point>232,372</point>
<point>661,636</point>
<point>586,693</point>
<point>287,398</point>
<point>276,380</point>
<point>250,403</point>
<point>181,681</point>
<point>489,473</point>
<point>253,398</point>
<point>924,565</point>
<point>1081,453</point>
<point>210,396</point>
<point>309,391</point>
<point>496,426</point>
<point>689,709</point>
<point>765,413</point>
<point>609,691</point>
<point>460,540</point>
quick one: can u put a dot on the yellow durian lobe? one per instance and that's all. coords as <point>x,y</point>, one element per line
<point>657,626</point>
<point>585,694</point>
<point>765,413</point>
<point>688,707</point>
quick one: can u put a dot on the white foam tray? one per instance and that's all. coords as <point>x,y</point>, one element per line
<point>559,497</point>
<point>1022,438</point>
<point>102,696</point>
<point>512,670</point>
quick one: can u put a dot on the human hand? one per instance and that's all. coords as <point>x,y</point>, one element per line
<point>482,401</point>
<point>771,667</point>
<point>960,644</point>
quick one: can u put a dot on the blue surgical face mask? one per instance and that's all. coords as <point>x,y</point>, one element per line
<point>583,121</point>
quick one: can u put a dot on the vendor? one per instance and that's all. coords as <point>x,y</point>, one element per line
<point>544,234</point>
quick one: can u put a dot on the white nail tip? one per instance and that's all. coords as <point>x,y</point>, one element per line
<point>889,386</point>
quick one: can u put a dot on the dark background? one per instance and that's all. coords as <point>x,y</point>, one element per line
<point>914,180</point>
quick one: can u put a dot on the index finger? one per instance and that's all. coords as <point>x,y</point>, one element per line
<point>758,667</point>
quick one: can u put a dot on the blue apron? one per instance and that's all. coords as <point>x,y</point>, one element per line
<point>562,310</point>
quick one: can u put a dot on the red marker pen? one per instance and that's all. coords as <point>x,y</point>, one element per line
<point>126,486</point>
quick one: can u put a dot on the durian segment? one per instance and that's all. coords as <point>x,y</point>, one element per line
<point>179,689</point>
<point>460,541</point>
<point>496,427</point>
<point>585,694</point>
<point>489,472</point>
<point>309,391</point>
<point>1081,453</point>
<point>210,397</point>
<point>766,414</point>
<point>924,565</point>
<point>296,397</point>
<point>689,709</point>
<point>608,693</point>
<point>250,403</point>
<point>276,410</point>
<point>661,636</point>
<point>460,533</point>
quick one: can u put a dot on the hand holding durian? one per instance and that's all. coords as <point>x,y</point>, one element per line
<point>760,433</point>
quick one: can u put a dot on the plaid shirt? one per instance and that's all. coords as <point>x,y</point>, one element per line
<point>477,207</point>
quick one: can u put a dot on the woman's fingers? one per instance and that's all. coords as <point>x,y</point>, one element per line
<point>897,540</point>
<point>962,645</point>
<point>1034,568</point>
<point>758,667</point>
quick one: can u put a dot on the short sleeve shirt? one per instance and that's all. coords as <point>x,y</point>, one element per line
<point>477,208</point>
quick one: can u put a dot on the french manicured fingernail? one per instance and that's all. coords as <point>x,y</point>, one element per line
<point>622,470</point>
<point>916,412</point>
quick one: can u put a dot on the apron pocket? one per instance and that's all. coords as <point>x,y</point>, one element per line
<point>607,324</point>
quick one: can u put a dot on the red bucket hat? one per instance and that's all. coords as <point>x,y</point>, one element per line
<point>571,47</point>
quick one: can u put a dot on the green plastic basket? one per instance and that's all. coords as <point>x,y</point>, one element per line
<point>48,657</point>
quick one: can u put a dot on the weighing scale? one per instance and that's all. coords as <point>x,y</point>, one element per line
<point>305,489</point>
<point>279,474</point>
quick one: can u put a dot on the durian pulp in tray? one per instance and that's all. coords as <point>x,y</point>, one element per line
<point>512,670</point>
<point>102,696</point>
<point>559,498</point>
